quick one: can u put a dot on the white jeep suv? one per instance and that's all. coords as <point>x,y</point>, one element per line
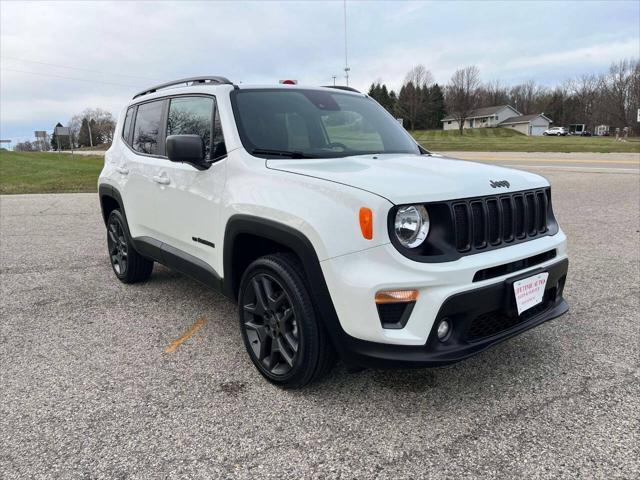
<point>337,234</point>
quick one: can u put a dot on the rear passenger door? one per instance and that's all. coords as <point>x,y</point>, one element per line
<point>142,159</point>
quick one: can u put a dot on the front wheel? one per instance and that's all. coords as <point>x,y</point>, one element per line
<point>281,333</point>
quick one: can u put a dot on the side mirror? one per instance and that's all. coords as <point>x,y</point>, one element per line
<point>188,149</point>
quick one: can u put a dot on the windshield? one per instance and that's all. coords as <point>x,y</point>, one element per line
<point>296,123</point>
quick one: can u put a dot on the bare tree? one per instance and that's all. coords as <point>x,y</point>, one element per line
<point>493,93</point>
<point>523,97</point>
<point>25,146</point>
<point>618,90</point>
<point>419,76</point>
<point>101,121</point>
<point>463,94</point>
<point>411,99</point>
<point>585,90</point>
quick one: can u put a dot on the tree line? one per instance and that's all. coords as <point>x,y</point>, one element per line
<point>420,102</point>
<point>611,98</point>
<point>90,128</point>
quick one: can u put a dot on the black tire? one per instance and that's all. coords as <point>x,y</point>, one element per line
<point>128,265</point>
<point>283,337</point>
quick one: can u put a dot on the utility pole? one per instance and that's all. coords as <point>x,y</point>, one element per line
<point>90,136</point>
<point>346,61</point>
<point>334,80</point>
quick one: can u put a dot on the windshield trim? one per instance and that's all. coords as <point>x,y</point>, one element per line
<point>249,147</point>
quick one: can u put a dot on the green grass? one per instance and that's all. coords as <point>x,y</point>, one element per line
<point>506,140</point>
<point>36,172</point>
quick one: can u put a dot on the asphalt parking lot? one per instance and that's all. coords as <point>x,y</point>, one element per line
<point>88,389</point>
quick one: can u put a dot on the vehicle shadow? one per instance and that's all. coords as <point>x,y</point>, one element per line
<point>533,356</point>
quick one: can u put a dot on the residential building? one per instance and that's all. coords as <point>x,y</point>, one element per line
<point>504,116</point>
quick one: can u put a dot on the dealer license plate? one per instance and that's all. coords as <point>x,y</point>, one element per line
<point>529,291</point>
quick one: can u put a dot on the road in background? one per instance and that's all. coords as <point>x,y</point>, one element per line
<point>620,162</point>
<point>583,162</point>
<point>105,380</point>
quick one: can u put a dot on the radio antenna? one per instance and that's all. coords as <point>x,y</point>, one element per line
<point>346,58</point>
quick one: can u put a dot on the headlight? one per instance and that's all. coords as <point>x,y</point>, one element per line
<point>412,225</point>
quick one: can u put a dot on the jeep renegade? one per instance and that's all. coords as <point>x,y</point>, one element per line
<point>337,234</point>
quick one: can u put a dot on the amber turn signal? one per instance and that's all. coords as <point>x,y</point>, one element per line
<point>366,223</point>
<point>396,296</point>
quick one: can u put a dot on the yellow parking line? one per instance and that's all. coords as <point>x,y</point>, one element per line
<point>188,334</point>
<point>559,160</point>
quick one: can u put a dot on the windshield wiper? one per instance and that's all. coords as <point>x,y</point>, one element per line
<point>281,153</point>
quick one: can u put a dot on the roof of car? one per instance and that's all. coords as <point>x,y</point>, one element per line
<point>218,81</point>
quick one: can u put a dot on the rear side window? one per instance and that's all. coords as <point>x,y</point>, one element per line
<point>126,130</point>
<point>192,116</point>
<point>146,132</point>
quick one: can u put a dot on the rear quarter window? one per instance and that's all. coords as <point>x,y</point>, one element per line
<point>126,129</point>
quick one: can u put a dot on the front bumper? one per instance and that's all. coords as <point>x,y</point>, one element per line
<point>481,318</point>
<point>452,289</point>
<point>354,279</point>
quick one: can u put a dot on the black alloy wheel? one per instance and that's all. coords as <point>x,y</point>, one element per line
<point>282,334</point>
<point>270,323</point>
<point>117,244</point>
<point>128,265</point>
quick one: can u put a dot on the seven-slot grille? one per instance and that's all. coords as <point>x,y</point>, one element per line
<point>491,221</point>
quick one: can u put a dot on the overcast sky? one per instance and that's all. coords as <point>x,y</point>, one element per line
<point>117,48</point>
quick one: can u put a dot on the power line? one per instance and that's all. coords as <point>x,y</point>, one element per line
<point>77,68</point>
<point>70,78</point>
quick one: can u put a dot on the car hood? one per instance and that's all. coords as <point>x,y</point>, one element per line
<point>402,178</point>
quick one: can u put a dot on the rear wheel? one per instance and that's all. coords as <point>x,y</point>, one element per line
<point>128,265</point>
<point>283,338</point>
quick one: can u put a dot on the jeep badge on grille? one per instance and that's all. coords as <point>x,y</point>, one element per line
<point>499,183</point>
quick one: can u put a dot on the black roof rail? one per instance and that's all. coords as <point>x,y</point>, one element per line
<point>342,87</point>
<point>188,81</point>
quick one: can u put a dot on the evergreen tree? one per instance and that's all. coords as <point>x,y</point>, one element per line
<point>437,108</point>
<point>64,141</point>
<point>381,95</point>
<point>409,104</point>
<point>388,102</point>
<point>54,137</point>
<point>95,132</point>
<point>83,135</point>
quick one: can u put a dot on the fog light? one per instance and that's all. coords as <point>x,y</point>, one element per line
<point>443,330</point>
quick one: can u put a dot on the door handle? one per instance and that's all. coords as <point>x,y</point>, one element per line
<point>162,180</point>
<point>122,170</point>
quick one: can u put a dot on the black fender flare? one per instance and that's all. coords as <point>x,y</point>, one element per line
<point>106,190</point>
<point>303,248</point>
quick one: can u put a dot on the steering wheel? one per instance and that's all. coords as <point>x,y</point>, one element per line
<point>338,145</point>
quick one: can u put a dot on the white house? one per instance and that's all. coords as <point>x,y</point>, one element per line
<point>501,116</point>
<point>482,117</point>
<point>534,124</point>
